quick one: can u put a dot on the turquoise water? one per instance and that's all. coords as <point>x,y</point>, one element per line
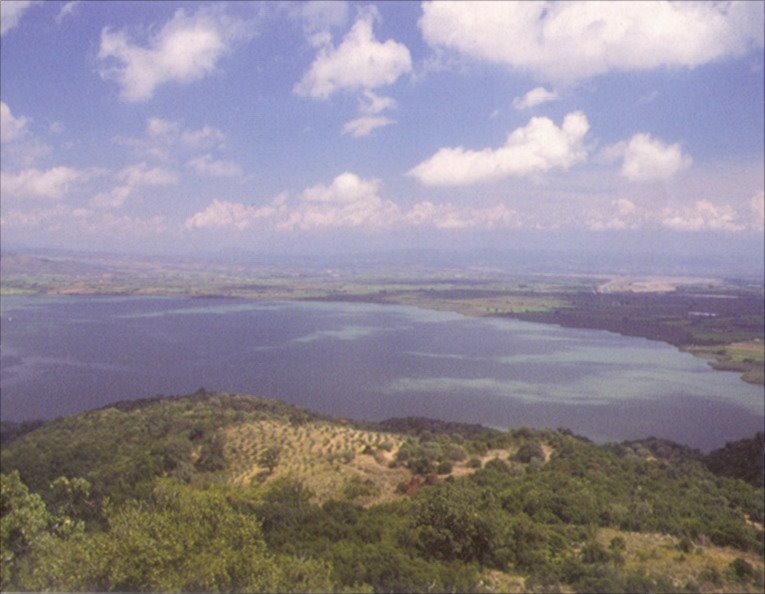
<point>64,355</point>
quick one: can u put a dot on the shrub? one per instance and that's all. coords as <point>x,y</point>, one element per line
<point>455,452</point>
<point>710,575</point>
<point>742,569</point>
<point>592,552</point>
<point>444,468</point>
<point>420,465</point>
<point>497,465</point>
<point>528,451</point>
<point>685,545</point>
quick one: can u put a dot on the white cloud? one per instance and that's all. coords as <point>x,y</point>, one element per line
<point>161,128</point>
<point>113,198</point>
<point>569,41</point>
<point>647,159</point>
<point>11,127</point>
<point>131,178</point>
<point>534,97</point>
<point>124,226</point>
<point>207,136</point>
<point>345,188</point>
<point>757,205</point>
<point>451,216</point>
<point>627,216</point>
<point>535,148</point>
<point>206,165</point>
<point>187,48</point>
<point>222,214</point>
<point>52,183</point>
<point>33,217</point>
<point>24,153</point>
<point>83,221</point>
<point>704,216</point>
<point>319,16</point>
<point>66,10</point>
<point>143,175</point>
<point>349,201</point>
<point>625,206</point>
<point>364,125</point>
<point>359,62</point>
<point>648,98</point>
<point>164,137</point>
<point>701,215</point>
<point>371,104</point>
<point>11,13</point>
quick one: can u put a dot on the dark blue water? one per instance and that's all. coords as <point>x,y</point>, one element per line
<point>64,355</point>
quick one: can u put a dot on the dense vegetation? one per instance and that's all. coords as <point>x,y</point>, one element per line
<point>144,496</point>
<point>681,318</point>
<point>741,459</point>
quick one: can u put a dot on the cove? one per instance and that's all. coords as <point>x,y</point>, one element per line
<point>365,361</point>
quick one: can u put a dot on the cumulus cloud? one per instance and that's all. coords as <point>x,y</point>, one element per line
<point>163,138</point>
<point>359,62</point>
<point>131,178</point>
<point>647,159</point>
<point>222,214</point>
<point>319,16</point>
<point>451,216</point>
<point>11,13</point>
<point>11,127</point>
<point>537,147</point>
<point>703,216</point>
<point>206,165</point>
<point>345,188</point>
<point>354,202</point>
<point>570,41</point>
<point>623,214</point>
<point>534,97</point>
<point>349,201</point>
<point>33,217</point>
<point>51,183</point>
<point>365,125</point>
<point>143,175</point>
<point>187,48</point>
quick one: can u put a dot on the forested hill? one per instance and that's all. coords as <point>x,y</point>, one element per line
<point>223,492</point>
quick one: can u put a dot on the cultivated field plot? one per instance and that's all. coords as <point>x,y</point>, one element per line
<point>329,459</point>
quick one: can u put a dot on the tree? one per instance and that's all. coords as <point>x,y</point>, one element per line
<point>270,458</point>
<point>180,539</point>
<point>23,521</point>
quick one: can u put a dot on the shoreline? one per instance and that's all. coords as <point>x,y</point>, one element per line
<point>716,355</point>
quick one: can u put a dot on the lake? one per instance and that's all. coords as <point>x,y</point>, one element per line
<point>62,355</point>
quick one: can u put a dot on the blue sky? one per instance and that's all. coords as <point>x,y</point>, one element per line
<point>183,126</point>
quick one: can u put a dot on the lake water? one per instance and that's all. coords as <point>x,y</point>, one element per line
<point>68,354</point>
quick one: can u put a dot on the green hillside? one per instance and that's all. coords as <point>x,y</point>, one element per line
<point>223,492</point>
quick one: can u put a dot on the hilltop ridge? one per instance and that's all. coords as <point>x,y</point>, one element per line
<point>335,505</point>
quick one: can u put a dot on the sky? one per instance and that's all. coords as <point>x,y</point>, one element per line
<point>341,126</point>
